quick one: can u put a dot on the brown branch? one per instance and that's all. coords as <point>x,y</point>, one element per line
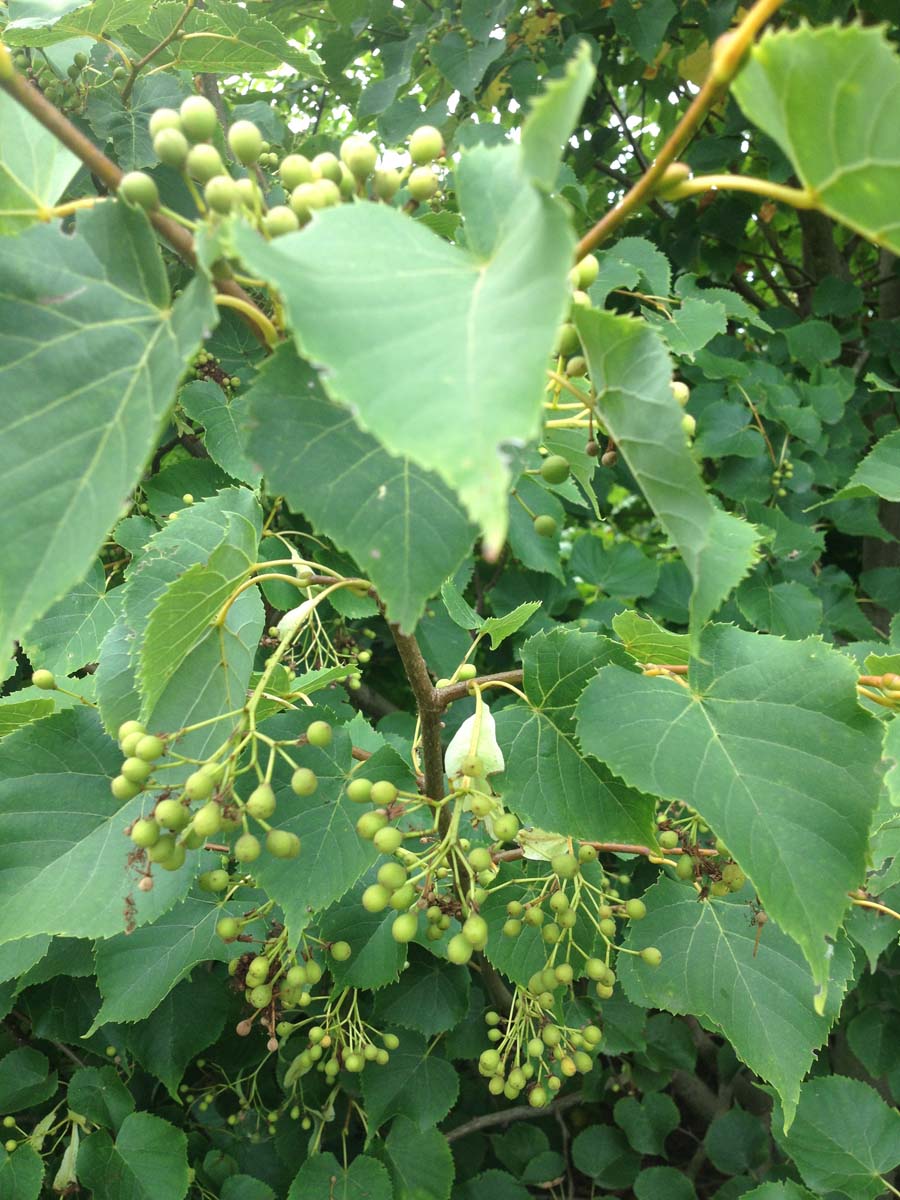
<point>426,697</point>
<point>524,1112</point>
<point>108,173</point>
<point>151,54</point>
<point>617,848</point>
<point>459,691</point>
<point>726,63</point>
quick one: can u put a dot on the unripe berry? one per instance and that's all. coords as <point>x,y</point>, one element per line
<point>203,162</point>
<point>199,786</point>
<point>279,221</point>
<point>512,928</point>
<point>475,931</point>
<point>480,858</point>
<point>124,789</point>
<point>198,118</point>
<point>139,189</point>
<point>130,744</point>
<point>405,926</point>
<point>245,142</point>
<point>567,340</point>
<point>175,860</point>
<point>172,814</point>
<point>221,194</point>
<point>422,183</point>
<point>386,184</point>
<point>555,469</point>
<point>472,766</point>
<point>304,781</point>
<point>162,849</point>
<point>44,680</point>
<point>247,848</point>
<point>388,840</point>
<point>506,827</point>
<point>145,832</point>
<point>359,791</point>
<point>258,970</point>
<point>425,144</point>
<point>393,876</point>
<point>228,928</point>
<point>319,734</point>
<point>214,881</point>
<point>261,802</point>
<point>171,147</point>
<point>294,170</point>
<point>281,843</point>
<point>375,898</point>
<point>383,793</point>
<point>136,770</point>
<point>681,392</point>
<point>534,916</point>
<point>369,824</point>
<point>260,996</point>
<point>585,272</point>
<point>668,839</point>
<point>208,820</point>
<point>673,177</point>
<point>164,118</point>
<point>576,367</point>
<point>150,748</point>
<point>545,526</point>
<point>340,951</point>
<point>636,909</point>
<point>565,866</point>
<point>127,728</point>
<point>651,955</point>
<point>360,156</point>
<point>459,949</point>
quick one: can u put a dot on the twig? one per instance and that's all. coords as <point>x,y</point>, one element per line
<point>108,173</point>
<point>459,691</point>
<point>426,697</point>
<point>151,54</point>
<point>524,1112</point>
<point>725,65</point>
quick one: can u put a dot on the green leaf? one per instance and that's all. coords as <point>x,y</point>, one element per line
<point>147,1161</point>
<point>100,1095</point>
<point>602,1153</point>
<point>770,746</point>
<point>547,781</point>
<point>663,1183</point>
<point>787,609</point>
<point>646,641</point>
<point>35,168</point>
<point>498,629</point>
<point>224,421</point>
<point>333,856</point>
<point>90,430</point>
<point>758,994</point>
<point>68,636</point>
<point>25,1079</point>
<point>401,523</point>
<point>245,1187</point>
<point>128,127</point>
<point>21,1173</point>
<point>620,569</point>
<point>323,1178</point>
<point>552,117</point>
<point>879,472</point>
<point>376,958</point>
<point>63,856</point>
<point>223,37</point>
<point>412,1084</point>
<point>647,1122</point>
<point>848,152</point>
<point>14,712</point>
<point>19,956</point>
<point>431,996</point>
<point>491,1185</point>
<point>419,1161</point>
<point>644,25</point>
<point>785,1190</point>
<point>136,971</point>
<point>631,372</point>
<point>737,1143</point>
<point>186,616</point>
<point>462,64</point>
<point>58,20</point>
<point>690,325</point>
<point>188,1020</point>
<point>844,1138</point>
<point>463,308</point>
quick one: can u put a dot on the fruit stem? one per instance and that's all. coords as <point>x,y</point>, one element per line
<point>252,313</point>
<point>882,908</point>
<point>723,68</point>
<point>151,54</point>
<point>797,197</point>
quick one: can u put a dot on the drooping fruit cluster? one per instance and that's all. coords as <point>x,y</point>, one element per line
<point>701,860</point>
<point>206,366</point>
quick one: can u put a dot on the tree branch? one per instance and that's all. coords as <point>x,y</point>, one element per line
<point>459,691</point>
<point>524,1112</point>
<point>108,173</point>
<point>426,697</point>
<point>151,54</point>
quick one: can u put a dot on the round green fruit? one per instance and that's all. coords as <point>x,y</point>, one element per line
<point>127,728</point>
<point>369,824</point>
<point>565,866</point>
<point>260,996</point>
<point>44,680</point>
<point>459,949</point>
<point>139,189</point>
<point>199,786</point>
<point>303,782</point>
<point>651,955</point>
<point>198,118</point>
<point>684,868</point>
<point>280,220</point>
<point>245,142</point>
<point>384,793</point>
<point>375,898</point>
<point>567,340</point>
<point>426,144</point>
<point>386,184</point>
<point>506,828</point>
<point>214,881</point>
<point>681,392</point>
<point>422,183</point>
<point>175,860</point>
<point>162,849</point>
<point>130,744</point>
<point>208,820</point>
<point>164,118</point>
<point>319,734</point>
<point>145,832</point>
<point>388,840</point>
<point>247,848</point>
<point>475,931</point>
<point>359,791</point>
<point>150,748</point>
<point>360,156</point>
<point>172,814</point>
<point>668,839</point>
<point>280,843</point>
<point>340,951</point>
<point>261,802</point>
<point>405,926</point>
<point>124,789</point>
<point>136,770</point>
<point>636,910</point>
<point>203,163</point>
<point>545,526</point>
<point>586,271</point>
<point>393,876</point>
<point>294,170</point>
<point>221,194</point>
<point>228,928</point>
<point>555,469</point>
<point>480,859</point>
<point>171,147</point>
